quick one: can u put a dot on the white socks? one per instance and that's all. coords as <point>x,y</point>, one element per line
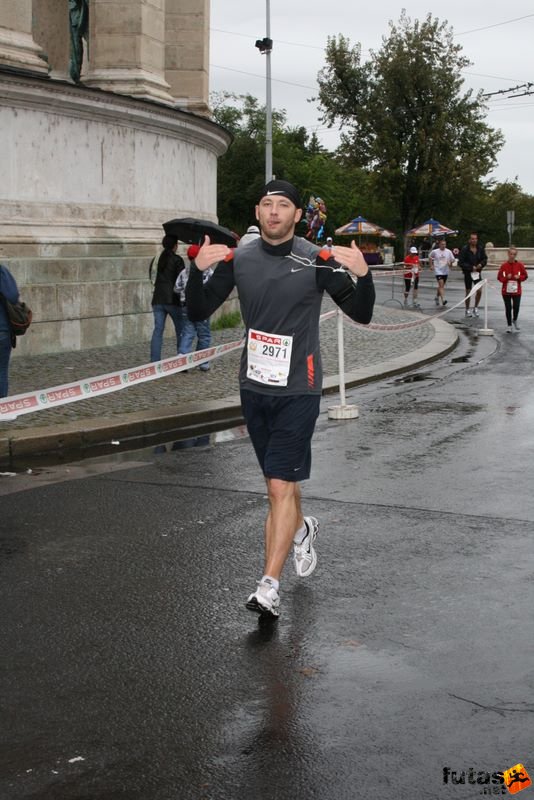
<point>301,534</point>
<point>274,583</point>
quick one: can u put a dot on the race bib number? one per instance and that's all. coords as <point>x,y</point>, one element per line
<point>268,357</point>
<point>512,287</point>
<point>475,276</point>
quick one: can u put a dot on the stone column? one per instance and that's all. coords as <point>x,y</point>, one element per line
<point>17,47</point>
<point>126,48</point>
<point>187,53</point>
<point>51,30</point>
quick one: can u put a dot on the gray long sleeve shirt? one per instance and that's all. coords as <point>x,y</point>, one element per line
<point>280,291</point>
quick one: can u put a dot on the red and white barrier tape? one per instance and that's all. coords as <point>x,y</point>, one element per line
<point>374,326</point>
<point>42,399</point>
<point>28,402</point>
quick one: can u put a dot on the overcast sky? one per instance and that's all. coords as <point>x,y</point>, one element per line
<point>497,42</point>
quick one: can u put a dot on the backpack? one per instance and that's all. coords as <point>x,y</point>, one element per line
<point>19,316</point>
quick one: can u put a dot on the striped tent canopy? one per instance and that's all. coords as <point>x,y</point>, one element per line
<point>431,228</point>
<point>360,226</point>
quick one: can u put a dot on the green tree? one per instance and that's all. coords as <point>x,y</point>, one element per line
<point>405,120</point>
<point>297,157</point>
<point>486,214</point>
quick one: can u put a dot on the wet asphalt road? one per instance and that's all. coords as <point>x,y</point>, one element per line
<point>132,671</point>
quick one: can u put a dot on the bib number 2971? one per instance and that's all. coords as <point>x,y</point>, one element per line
<point>268,357</point>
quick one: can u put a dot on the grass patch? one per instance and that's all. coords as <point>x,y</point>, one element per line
<point>231,320</point>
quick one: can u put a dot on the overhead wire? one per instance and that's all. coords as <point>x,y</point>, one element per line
<point>319,128</point>
<point>317,47</point>
<point>495,25</point>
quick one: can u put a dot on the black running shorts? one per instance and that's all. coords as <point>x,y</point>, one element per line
<point>281,429</point>
<point>468,280</point>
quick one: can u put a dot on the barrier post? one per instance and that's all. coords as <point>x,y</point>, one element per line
<point>485,331</point>
<point>393,299</point>
<point>342,411</point>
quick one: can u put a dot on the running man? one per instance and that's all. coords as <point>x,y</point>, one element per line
<point>472,260</point>
<point>441,259</point>
<point>280,280</point>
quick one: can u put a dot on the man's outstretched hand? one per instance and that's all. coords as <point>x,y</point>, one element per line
<point>210,254</point>
<point>352,258</point>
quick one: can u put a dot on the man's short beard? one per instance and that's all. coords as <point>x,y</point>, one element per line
<point>282,235</point>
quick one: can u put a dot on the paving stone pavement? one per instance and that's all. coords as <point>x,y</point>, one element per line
<point>362,348</point>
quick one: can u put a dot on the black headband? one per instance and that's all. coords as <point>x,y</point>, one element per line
<point>282,189</point>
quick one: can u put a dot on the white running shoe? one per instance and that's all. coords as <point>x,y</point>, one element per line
<point>475,312</point>
<point>516,326</point>
<point>265,600</point>
<point>304,554</point>
<point>509,329</point>
<point>468,312</point>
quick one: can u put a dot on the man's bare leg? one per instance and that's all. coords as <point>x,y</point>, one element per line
<point>283,520</point>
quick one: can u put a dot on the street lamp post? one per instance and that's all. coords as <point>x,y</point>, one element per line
<point>265,47</point>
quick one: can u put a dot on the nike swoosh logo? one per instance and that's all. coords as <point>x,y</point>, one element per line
<point>278,191</point>
<point>297,270</point>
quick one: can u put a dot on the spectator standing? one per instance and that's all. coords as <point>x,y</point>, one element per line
<point>411,276</point>
<point>199,329</point>
<point>441,259</point>
<point>472,260</point>
<point>250,236</point>
<point>512,274</point>
<point>9,290</point>
<point>165,301</point>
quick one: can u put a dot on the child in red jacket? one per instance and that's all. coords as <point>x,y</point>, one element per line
<point>411,276</point>
<point>512,274</point>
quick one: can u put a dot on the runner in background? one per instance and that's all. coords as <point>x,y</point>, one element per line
<point>411,276</point>
<point>472,260</point>
<point>441,259</point>
<point>512,274</point>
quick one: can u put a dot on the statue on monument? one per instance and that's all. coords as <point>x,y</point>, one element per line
<point>79,23</point>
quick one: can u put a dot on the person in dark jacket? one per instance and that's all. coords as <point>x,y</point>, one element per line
<point>165,301</point>
<point>9,290</point>
<point>281,279</point>
<point>472,260</point>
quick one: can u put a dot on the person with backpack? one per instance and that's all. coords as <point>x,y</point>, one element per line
<point>8,290</point>
<point>165,301</point>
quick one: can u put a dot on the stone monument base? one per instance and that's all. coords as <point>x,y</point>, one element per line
<point>87,178</point>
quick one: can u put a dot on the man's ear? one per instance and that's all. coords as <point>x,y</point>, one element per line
<point>256,213</point>
<point>298,215</point>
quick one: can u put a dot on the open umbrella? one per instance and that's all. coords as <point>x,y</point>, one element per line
<point>385,234</point>
<point>431,228</point>
<point>192,231</point>
<point>357,227</point>
<point>360,226</point>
